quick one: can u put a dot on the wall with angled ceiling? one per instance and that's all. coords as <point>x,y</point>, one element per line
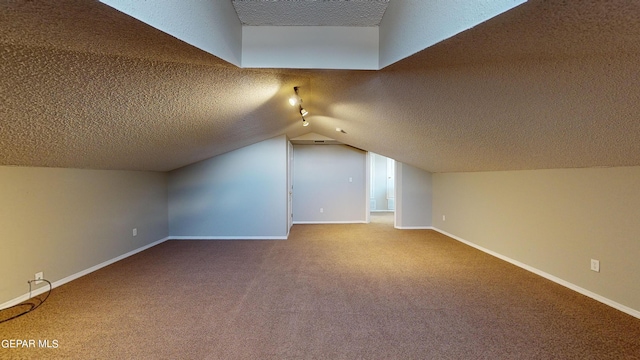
<point>67,222</point>
<point>241,194</point>
<point>552,222</point>
<point>547,85</point>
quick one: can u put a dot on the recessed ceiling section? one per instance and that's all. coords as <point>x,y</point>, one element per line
<point>320,34</point>
<point>310,12</point>
<point>310,47</point>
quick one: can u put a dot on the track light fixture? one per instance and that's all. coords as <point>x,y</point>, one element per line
<point>297,100</point>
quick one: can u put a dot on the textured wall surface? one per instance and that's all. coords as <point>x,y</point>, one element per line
<point>546,85</point>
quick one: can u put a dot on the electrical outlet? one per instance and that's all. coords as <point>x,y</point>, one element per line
<point>321,210</point>
<point>135,231</point>
<point>595,265</point>
<point>444,218</point>
<point>38,277</point>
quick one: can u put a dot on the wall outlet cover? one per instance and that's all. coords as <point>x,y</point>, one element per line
<point>38,277</point>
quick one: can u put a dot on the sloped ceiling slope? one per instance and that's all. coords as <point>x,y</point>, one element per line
<point>85,86</point>
<point>549,84</point>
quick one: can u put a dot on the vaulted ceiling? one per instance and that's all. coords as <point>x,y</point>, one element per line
<point>548,84</point>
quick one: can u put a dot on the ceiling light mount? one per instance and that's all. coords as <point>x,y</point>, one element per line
<point>297,100</point>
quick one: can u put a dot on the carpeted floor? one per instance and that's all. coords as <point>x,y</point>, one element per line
<point>360,291</point>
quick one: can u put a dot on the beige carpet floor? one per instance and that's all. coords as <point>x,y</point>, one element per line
<point>353,291</point>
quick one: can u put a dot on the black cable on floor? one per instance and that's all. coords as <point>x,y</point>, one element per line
<point>32,306</point>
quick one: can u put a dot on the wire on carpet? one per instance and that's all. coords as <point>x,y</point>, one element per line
<point>32,305</point>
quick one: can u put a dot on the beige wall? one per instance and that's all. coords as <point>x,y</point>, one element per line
<point>64,221</point>
<point>552,220</point>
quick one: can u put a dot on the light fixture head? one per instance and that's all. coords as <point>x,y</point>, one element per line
<point>303,111</point>
<point>305,122</point>
<point>295,99</point>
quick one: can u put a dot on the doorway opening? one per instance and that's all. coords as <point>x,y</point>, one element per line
<point>382,194</point>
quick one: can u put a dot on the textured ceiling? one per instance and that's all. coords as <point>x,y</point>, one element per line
<point>310,12</point>
<point>550,84</point>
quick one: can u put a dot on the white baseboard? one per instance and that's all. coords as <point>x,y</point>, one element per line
<point>414,227</point>
<point>585,292</point>
<point>43,289</point>
<point>227,237</point>
<point>330,222</point>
